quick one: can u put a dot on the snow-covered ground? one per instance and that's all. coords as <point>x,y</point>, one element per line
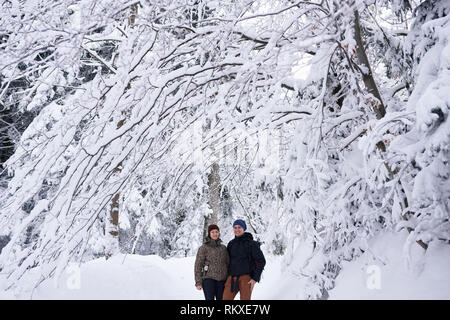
<point>378,274</point>
<point>427,278</point>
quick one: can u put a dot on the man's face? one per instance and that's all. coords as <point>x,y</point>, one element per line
<point>238,230</point>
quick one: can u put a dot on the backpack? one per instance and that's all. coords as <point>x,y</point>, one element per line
<point>253,263</point>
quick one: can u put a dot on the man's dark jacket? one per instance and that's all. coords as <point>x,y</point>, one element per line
<point>242,251</point>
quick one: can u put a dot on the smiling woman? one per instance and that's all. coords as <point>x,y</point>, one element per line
<point>211,265</point>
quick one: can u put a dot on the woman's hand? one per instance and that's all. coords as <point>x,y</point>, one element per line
<point>199,287</point>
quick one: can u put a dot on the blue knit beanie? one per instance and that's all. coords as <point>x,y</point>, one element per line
<point>241,223</point>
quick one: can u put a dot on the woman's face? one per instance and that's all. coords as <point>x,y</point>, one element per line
<point>214,234</point>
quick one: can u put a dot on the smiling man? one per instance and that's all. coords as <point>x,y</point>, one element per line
<point>246,263</point>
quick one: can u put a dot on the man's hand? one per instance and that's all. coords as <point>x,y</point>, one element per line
<point>199,287</point>
<point>252,284</point>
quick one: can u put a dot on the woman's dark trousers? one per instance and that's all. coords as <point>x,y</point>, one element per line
<point>213,289</point>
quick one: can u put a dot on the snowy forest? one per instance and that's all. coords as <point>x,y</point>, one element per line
<point>129,126</point>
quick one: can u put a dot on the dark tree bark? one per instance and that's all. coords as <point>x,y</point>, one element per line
<point>366,71</point>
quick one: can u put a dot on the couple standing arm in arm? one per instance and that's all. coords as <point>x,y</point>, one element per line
<point>229,270</point>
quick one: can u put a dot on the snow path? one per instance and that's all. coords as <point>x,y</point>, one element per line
<point>137,277</point>
<point>151,277</point>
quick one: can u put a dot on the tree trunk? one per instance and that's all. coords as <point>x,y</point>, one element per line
<point>378,108</point>
<point>405,205</point>
<point>112,224</point>
<point>214,197</point>
<point>366,71</point>
<point>112,229</point>
<point>133,13</point>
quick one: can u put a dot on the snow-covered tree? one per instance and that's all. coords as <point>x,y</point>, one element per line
<point>324,122</point>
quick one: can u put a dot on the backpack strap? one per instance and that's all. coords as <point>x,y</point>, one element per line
<point>250,258</point>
